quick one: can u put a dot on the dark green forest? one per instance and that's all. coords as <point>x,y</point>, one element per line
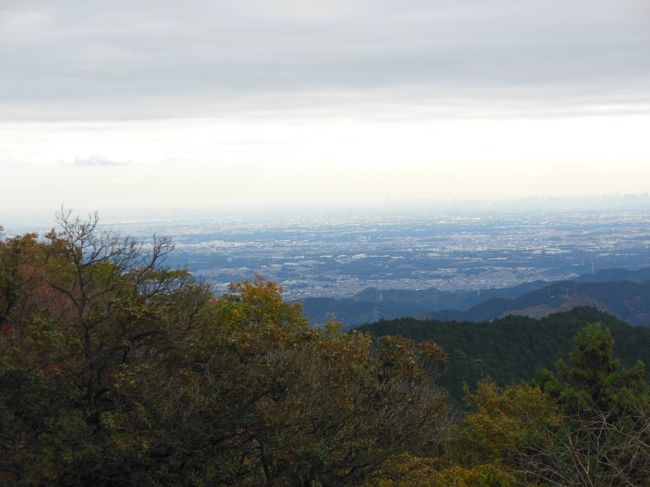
<point>512,349</point>
<point>116,370</point>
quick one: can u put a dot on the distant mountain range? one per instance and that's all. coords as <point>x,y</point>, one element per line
<point>621,292</point>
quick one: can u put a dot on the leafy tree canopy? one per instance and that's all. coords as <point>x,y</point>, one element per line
<point>115,370</point>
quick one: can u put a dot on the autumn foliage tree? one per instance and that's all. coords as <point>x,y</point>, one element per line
<point>586,424</point>
<point>115,370</point>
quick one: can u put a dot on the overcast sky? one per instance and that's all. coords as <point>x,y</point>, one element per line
<point>212,103</point>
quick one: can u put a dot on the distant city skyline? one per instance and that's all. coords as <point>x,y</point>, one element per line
<point>143,221</point>
<point>327,103</point>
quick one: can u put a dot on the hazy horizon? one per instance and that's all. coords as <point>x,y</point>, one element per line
<point>386,212</point>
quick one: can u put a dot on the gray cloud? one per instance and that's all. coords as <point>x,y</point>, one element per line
<point>69,59</point>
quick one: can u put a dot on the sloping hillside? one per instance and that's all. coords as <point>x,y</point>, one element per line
<point>623,293</point>
<point>626,300</point>
<point>373,304</point>
<point>511,349</point>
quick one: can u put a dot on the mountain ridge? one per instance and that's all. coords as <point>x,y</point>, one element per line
<point>622,292</point>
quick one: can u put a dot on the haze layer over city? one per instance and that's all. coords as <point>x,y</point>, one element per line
<point>334,146</point>
<point>338,252</point>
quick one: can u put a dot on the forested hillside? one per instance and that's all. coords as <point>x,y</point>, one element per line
<point>627,300</point>
<point>117,371</point>
<point>512,349</point>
